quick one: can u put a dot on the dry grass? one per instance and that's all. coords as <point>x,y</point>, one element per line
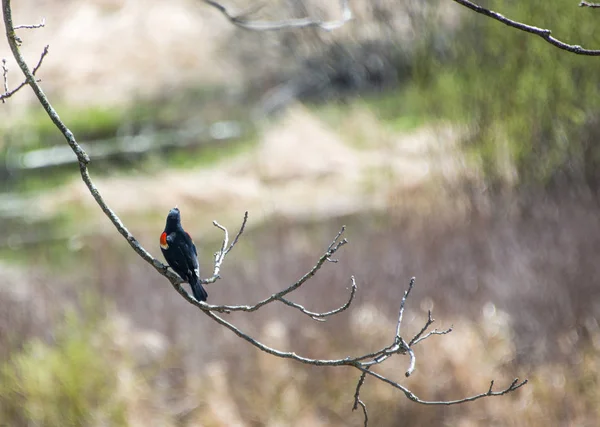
<point>302,168</point>
<point>519,289</point>
<point>106,52</point>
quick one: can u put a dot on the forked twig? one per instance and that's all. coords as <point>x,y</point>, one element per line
<point>7,93</point>
<point>225,248</point>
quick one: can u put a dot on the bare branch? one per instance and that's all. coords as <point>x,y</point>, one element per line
<point>434,332</point>
<point>417,338</point>
<point>237,236</point>
<point>332,249</point>
<point>362,364</point>
<point>516,384</point>
<point>82,156</point>
<point>347,361</point>
<point>321,317</point>
<point>31,27</point>
<point>543,33</point>
<point>334,241</point>
<point>402,303</point>
<point>225,249</point>
<point>4,77</point>
<point>7,93</point>
<point>42,56</point>
<point>590,5</point>
<point>242,21</point>
<point>357,400</point>
<point>399,346</point>
<point>413,360</point>
<point>429,322</point>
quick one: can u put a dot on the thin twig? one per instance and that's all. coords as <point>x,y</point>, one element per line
<point>409,394</point>
<point>398,347</point>
<point>42,56</point>
<point>543,33</point>
<point>241,20</point>
<point>419,336</point>
<point>31,27</point>
<point>321,317</point>
<point>428,323</point>
<point>402,303</point>
<point>379,356</point>
<point>237,236</point>
<point>434,332</point>
<point>225,238</point>
<point>335,239</point>
<point>220,256</point>
<point>7,93</point>
<point>4,78</point>
<point>411,365</point>
<point>332,249</point>
<point>590,5</point>
<point>358,401</point>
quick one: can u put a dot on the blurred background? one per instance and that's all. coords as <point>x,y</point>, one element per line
<point>455,149</point>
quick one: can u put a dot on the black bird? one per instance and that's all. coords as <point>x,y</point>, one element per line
<point>181,255</point>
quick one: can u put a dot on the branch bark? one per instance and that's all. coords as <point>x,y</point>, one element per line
<point>590,5</point>
<point>8,93</point>
<point>541,32</point>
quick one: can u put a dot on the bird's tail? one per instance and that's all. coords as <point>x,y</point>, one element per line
<point>198,290</point>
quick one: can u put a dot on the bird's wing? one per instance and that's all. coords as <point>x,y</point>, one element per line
<point>188,241</point>
<point>189,248</point>
<point>194,261</point>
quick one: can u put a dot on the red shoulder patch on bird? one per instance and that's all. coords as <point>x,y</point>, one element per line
<point>189,236</point>
<point>163,241</point>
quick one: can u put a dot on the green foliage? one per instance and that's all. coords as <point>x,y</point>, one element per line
<point>203,156</point>
<point>161,118</point>
<point>36,130</point>
<point>400,110</point>
<point>525,98</point>
<point>68,383</point>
